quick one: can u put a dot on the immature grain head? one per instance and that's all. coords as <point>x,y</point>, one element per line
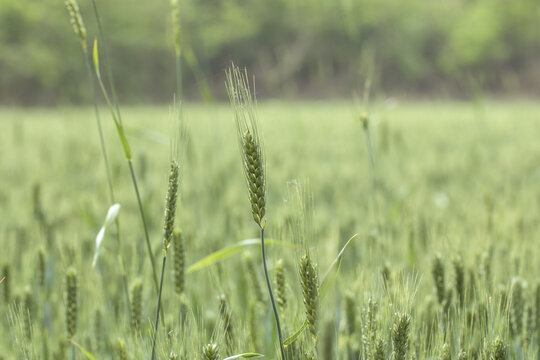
<point>71,302</point>
<point>310,289</point>
<point>179,262</point>
<point>136,305</point>
<point>250,143</point>
<point>41,269</point>
<point>459,279</point>
<point>378,353</point>
<point>281,297</point>
<point>225,315</point>
<point>210,352</point>
<point>516,308</point>
<point>170,206</point>
<point>400,337</point>
<point>77,22</point>
<point>437,271</point>
<point>499,350</point>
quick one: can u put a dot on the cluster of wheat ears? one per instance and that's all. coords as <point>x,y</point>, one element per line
<point>466,318</point>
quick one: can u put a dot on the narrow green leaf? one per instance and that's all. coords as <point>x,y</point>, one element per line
<point>123,139</point>
<point>231,250</point>
<point>246,355</point>
<point>83,350</point>
<point>332,272</point>
<point>96,56</point>
<point>294,336</point>
<point>328,279</point>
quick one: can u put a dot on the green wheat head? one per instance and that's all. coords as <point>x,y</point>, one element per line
<point>71,302</point>
<point>77,22</point>
<point>400,337</point>
<point>136,305</point>
<point>499,350</point>
<point>170,206</point>
<point>210,352</point>
<point>250,143</point>
<point>179,262</point>
<point>281,296</point>
<point>437,271</point>
<point>310,290</point>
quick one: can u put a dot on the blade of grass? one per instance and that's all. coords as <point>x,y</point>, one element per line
<point>231,250</point>
<point>83,350</point>
<point>127,153</point>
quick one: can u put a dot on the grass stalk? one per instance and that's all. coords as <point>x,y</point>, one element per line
<point>158,310</point>
<point>115,113</point>
<point>272,300</point>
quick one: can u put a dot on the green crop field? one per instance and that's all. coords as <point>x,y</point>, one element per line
<point>442,261</point>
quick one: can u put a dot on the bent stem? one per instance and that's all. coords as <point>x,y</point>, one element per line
<point>156,322</point>
<point>109,179</point>
<point>272,300</point>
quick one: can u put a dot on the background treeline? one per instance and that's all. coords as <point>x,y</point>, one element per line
<point>297,48</point>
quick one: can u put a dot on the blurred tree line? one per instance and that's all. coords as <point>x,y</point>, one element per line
<point>297,48</point>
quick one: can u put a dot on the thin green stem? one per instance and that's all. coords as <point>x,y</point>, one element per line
<point>107,61</point>
<point>372,173</point>
<point>272,300</point>
<point>179,77</point>
<point>156,321</point>
<point>109,181</point>
<point>100,130</point>
<point>143,219</point>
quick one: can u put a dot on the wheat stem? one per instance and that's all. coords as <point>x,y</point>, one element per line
<point>274,308</point>
<point>156,320</point>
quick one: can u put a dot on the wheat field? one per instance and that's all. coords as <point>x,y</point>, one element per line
<point>443,260</point>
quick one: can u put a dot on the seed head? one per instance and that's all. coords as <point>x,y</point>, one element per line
<point>281,297</point>
<point>499,350</point>
<point>179,262</point>
<point>516,308</point>
<point>71,302</point>
<point>459,272</point>
<point>170,206</point>
<point>250,143</point>
<point>400,337</point>
<point>136,305</point>
<point>210,352</point>
<point>310,290</point>
<point>437,271</point>
<point>77,22</point>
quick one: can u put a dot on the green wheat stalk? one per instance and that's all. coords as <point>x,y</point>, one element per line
<point>80,31</point>
<point>253,164</point>
<point>168,228</point>
<point>115,114</point>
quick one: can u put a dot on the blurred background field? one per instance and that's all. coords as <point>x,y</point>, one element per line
<point>453,178</point>
<point>298,49</point>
